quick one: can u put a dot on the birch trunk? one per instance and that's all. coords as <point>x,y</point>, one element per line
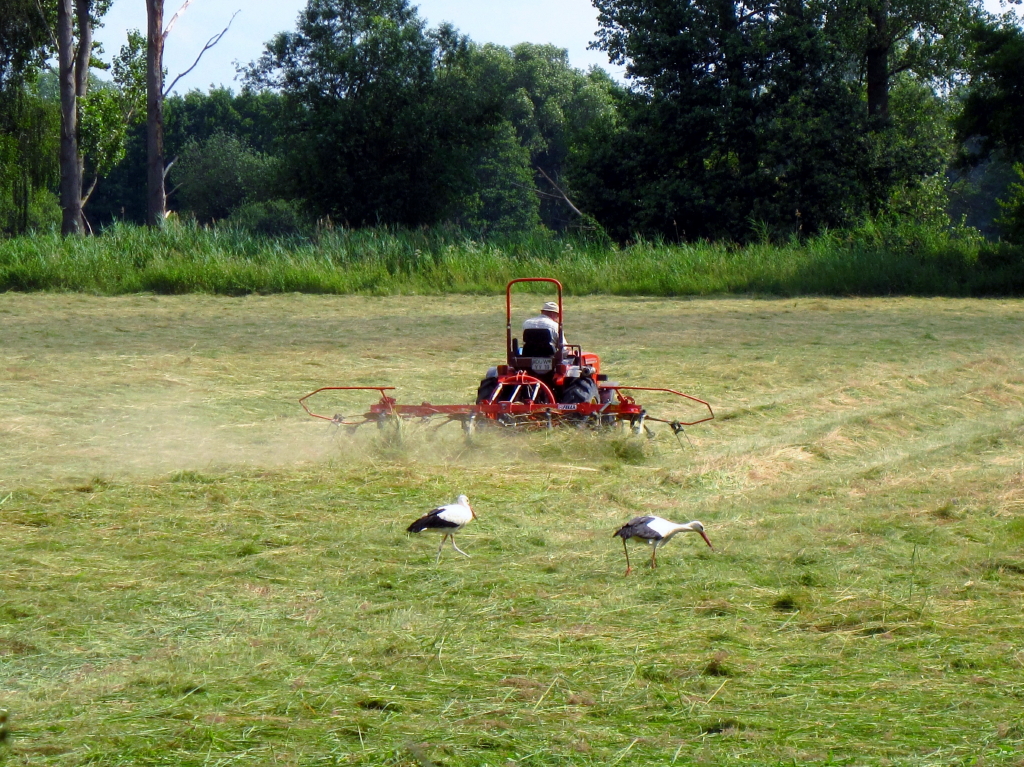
<point>156,199</point>
<point>70,161</point>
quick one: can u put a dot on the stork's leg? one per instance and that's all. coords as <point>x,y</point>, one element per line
<point>628,568</point>
<point>439,548</point>
<point>654,553</point>
<point>463,553</point>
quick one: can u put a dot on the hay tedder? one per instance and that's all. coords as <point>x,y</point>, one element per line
<point>544,383</point>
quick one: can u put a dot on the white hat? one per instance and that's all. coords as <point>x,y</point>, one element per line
<point>549,306</point>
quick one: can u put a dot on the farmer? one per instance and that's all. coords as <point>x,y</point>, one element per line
<point>582,387</point>
<point>548,319</point>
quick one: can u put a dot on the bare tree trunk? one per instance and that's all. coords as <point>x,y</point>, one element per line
<point>878,82</point>
<point>740,91</point>
<point>70,162</point>
<point>156,200</point>
<point>877,64</point>
<point>84,53</point>
<point>83,8</point>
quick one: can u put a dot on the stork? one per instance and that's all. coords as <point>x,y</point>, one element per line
<point>657,532</point>
<point>447,520</point>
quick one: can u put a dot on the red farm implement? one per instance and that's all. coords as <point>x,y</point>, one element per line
<point>544,383</point>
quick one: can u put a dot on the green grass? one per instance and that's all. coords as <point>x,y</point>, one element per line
<point>874,260</point>
<point>189,578</point>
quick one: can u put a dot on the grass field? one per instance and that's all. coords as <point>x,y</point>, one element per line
<point>197,574</point>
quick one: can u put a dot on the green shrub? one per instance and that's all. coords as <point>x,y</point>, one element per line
<point>43,211</point>
<point>1000,270</point>
<point>273,218</point>
<point>1011,223</point>
<point>217,176</point>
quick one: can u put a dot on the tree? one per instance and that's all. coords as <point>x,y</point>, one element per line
<point>25,39</point>
<point>742,116</point>
<point>109,110</point>
<point>504,201</point>
<point>254,118</point>
<point>29,135</point>
<point>218,175</point>
<point>383,128</point>
<point>550,105</point>
<point>991,121</point>
<point>1011,223</point>
<point>156,198</point>
<point>29,124</point>
<point>993,105</point>
<point>928,38</point>
<point>156,37</point>
<point>784,116</point>
<point>74,57</point>
<point>94,116</point>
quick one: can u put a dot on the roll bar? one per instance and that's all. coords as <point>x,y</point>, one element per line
<point>509,351</point>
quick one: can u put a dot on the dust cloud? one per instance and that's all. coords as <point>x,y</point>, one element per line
<point>162,436</point>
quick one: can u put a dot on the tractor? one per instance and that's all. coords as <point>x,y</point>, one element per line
<point>543,384</point>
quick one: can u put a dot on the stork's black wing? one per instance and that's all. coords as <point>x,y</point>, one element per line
<point>636,528</point>
<point>432,520</point>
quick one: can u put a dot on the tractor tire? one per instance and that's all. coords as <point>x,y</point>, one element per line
<point>579,391</point>
<point>486,389</point>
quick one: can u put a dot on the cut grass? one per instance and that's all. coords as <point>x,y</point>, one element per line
<point>197,575</point>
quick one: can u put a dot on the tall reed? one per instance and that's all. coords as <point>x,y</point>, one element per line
<point>873,260</point>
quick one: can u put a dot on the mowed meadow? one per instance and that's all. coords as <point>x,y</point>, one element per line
<point>196,573</point>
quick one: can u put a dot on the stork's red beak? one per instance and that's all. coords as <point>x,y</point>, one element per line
<point>702,535</point>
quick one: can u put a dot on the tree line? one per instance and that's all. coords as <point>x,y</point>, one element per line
<point>738,120</point>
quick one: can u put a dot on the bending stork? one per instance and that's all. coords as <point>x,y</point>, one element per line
<point>657,532</point>
<point>447,520</point>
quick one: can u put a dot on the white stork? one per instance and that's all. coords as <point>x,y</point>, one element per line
<point>447,520</point>
<point>657,532</point>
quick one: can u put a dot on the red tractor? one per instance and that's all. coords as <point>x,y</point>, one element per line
<point>544,382</point>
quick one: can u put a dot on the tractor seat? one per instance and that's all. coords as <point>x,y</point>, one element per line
<point>538,342</point>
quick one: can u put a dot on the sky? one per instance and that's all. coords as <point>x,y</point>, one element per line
<point>569,24</point>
